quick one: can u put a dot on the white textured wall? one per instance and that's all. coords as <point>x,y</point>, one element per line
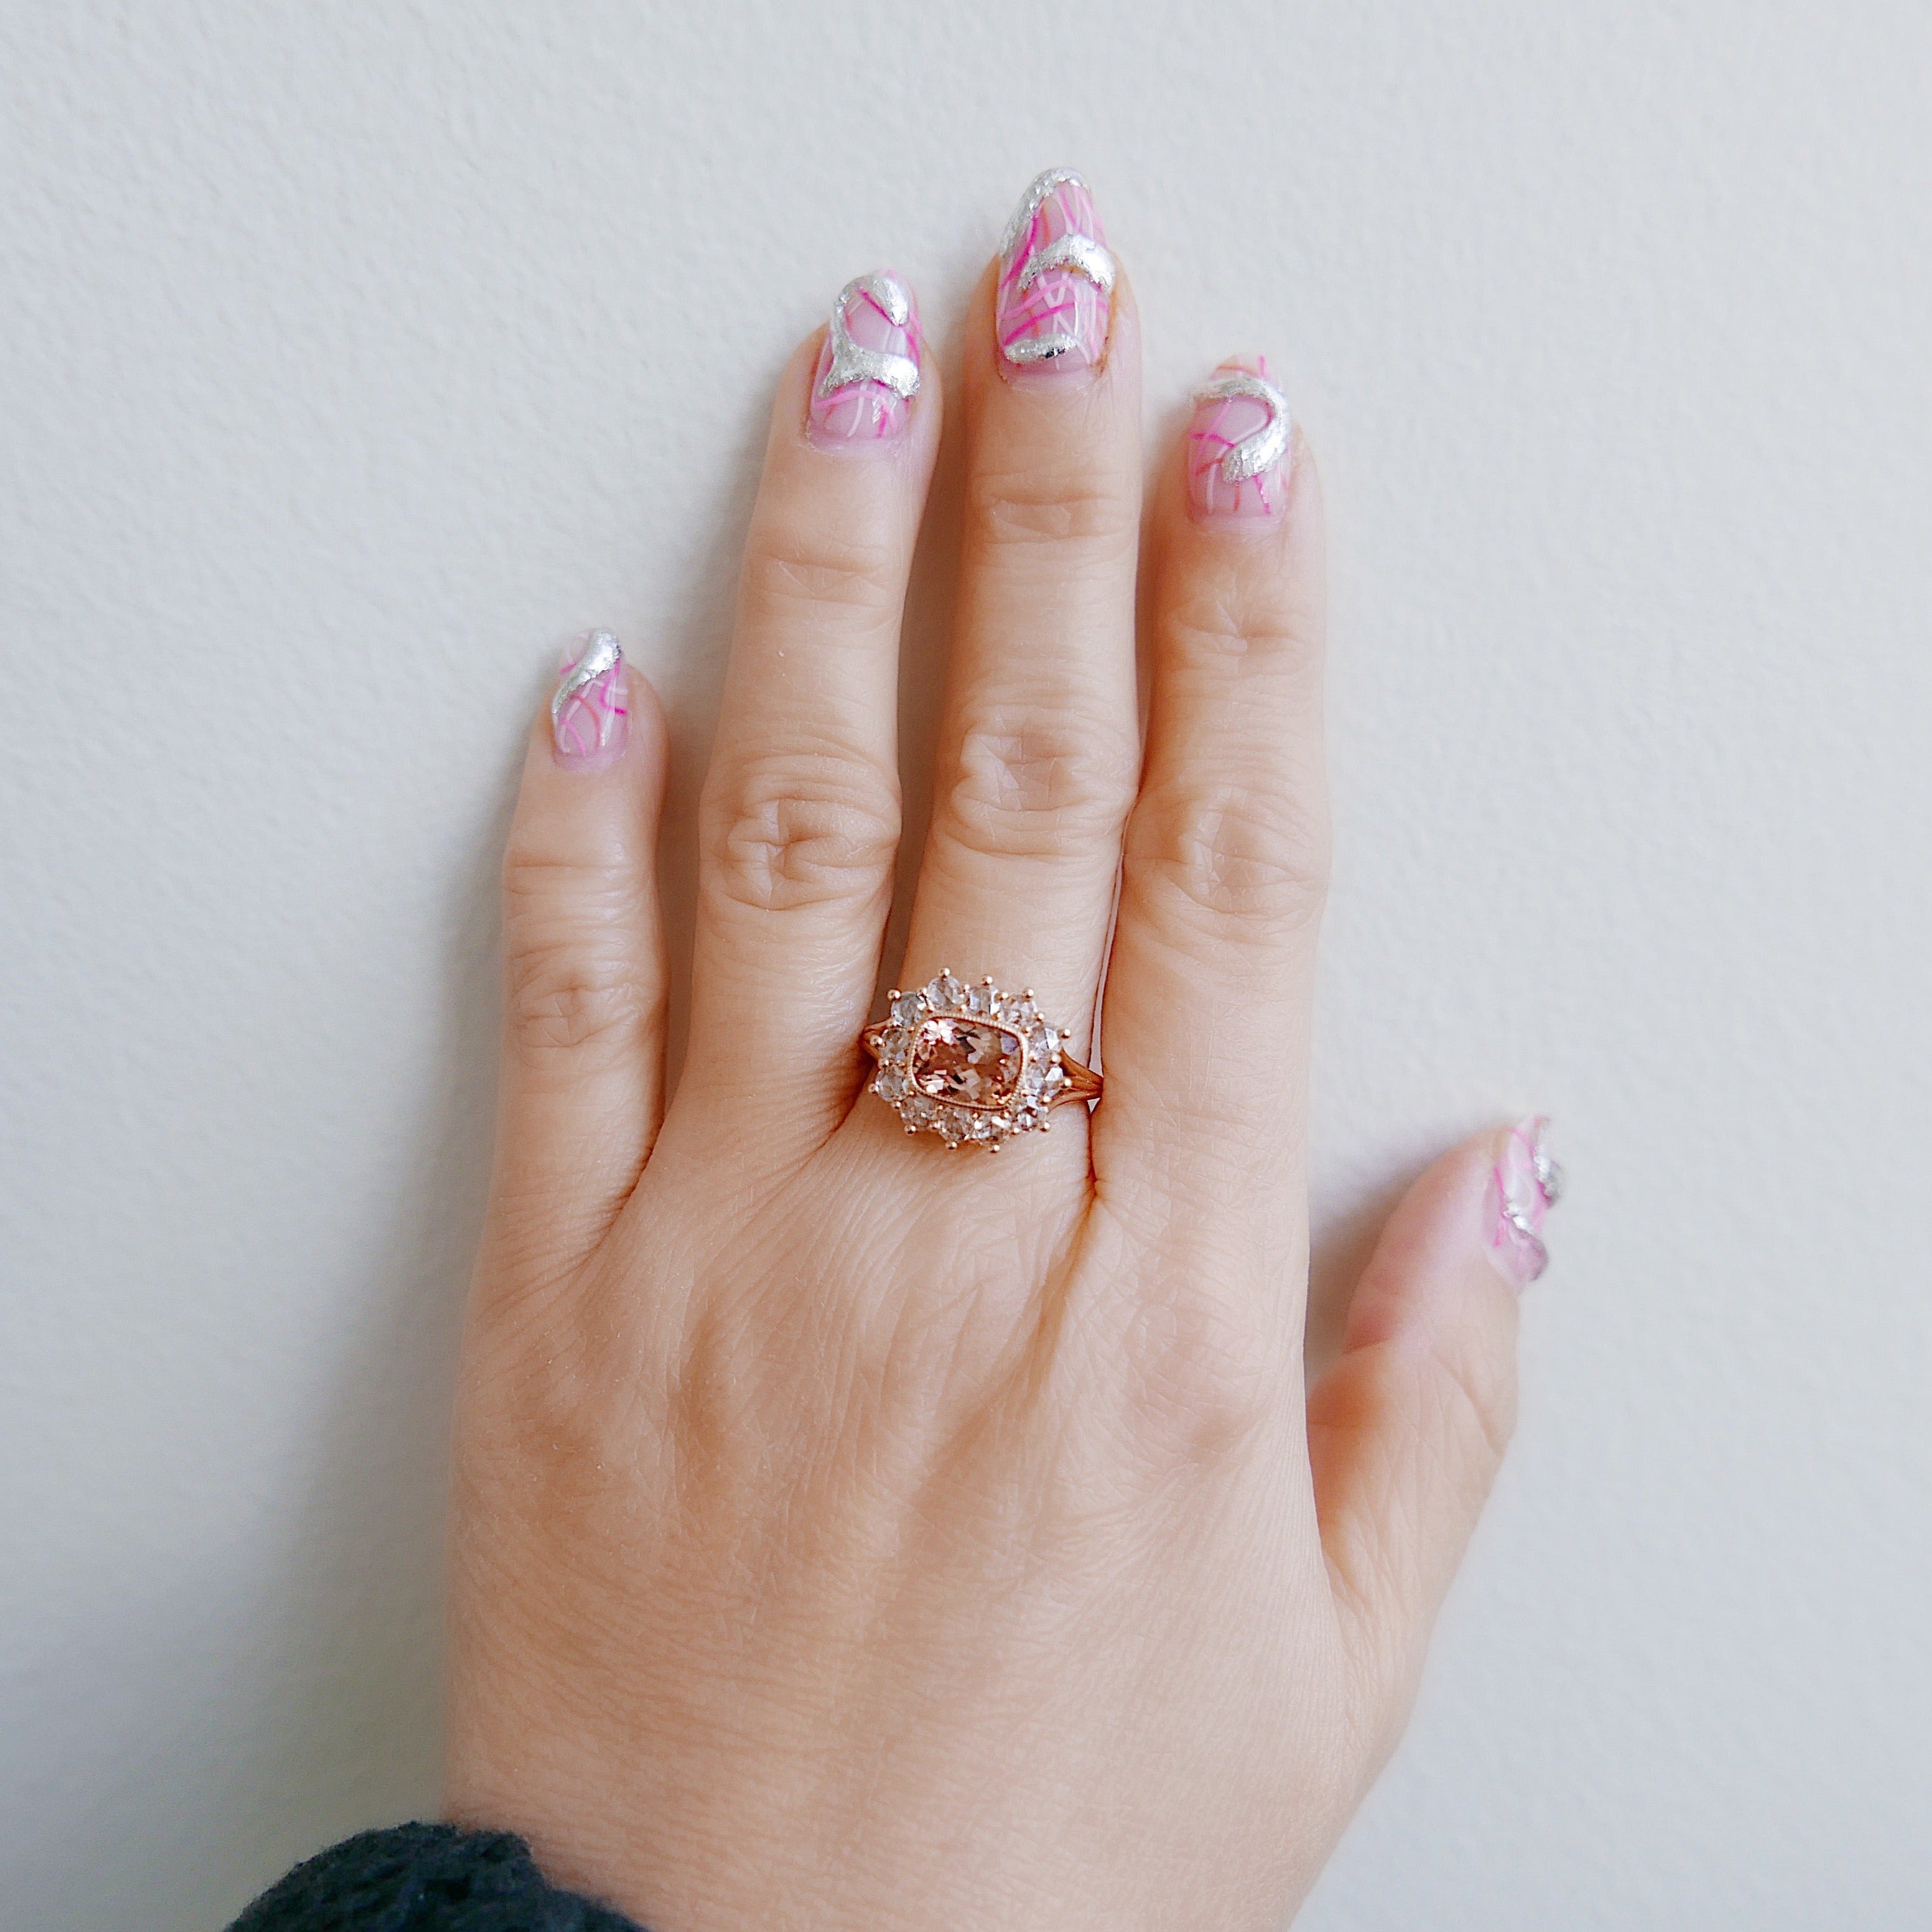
<point>352,353</point>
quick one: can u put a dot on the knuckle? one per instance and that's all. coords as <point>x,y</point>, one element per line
<point>1050,506</point>
<point>805,830</point>
<point>1039,788</point>
<point>571,978</point>
<point>1476,1390</point>
<point>784,568</point>
<point>1249,856</point>
<point>1229,623</point>
<point>546,1407</point>
<point>567,994</point>
<point>1205,1375</point>
<point>563,997</point>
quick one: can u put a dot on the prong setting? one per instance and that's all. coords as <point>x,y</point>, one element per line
<point>971,1063</point>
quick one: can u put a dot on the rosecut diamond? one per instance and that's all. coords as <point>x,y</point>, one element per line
<point>970,1063</point>
<point>905,1009</point>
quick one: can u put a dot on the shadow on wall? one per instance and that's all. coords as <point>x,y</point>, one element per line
<point>277,1698</point>
<point>336,1664</point>
<point>286,1689</point>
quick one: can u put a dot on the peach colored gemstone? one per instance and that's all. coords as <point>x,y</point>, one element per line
<point>967,1062</point>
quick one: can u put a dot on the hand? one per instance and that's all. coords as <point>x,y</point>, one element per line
<point>853,1532</point>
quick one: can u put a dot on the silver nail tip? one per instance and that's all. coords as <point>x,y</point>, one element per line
<point>1543,1167</point>
<point>1043,184</point>
<point>852,363</point>
<point>1266,447</point>
<point>601,653</point>
<point>1549,1174</point>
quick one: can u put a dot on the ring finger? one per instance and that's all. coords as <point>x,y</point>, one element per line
<point>1038,746</point>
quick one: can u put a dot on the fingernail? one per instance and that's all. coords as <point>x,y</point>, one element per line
<point>1056,288</point>
<point>1238,447</point>
<point>589,723</point>
<point>1524,1185</point>
<point>868,369</point>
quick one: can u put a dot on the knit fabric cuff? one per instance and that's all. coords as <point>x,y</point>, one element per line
<point>425,1878</point>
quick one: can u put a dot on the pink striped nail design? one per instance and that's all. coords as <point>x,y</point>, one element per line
<point>1524,1185</point>
<point>1238,446</point>
<point>868,370</point>
<point>1056,286</point>
<point>589,722</point>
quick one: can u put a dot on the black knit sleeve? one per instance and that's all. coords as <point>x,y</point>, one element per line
<point>425,1878</point>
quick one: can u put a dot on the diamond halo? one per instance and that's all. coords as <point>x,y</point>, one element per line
<point>972,1064</point>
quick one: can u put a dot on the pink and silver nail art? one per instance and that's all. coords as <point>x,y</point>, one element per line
<point>1238,446</point>
<point>590,721</point>
<point>1055,295</point>
<point>868,370</point>
<point>1524,1185</point>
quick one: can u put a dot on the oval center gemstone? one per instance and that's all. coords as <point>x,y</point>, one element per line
<point>970,1063</point>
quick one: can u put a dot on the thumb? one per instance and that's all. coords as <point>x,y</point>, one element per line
<point>1407,1429</point>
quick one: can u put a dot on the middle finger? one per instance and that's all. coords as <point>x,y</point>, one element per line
<point>1038,747</point>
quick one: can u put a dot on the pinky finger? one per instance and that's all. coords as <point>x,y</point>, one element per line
<point>584,990</point>
<point>1407,1429</point>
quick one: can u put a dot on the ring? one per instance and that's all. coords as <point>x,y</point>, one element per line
<point>972,1064</point>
